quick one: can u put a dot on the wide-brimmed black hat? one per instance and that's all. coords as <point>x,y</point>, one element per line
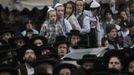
<point>8,68</point>
<point>86,58</point>
<point>21,51</point>
<point>47,47</point>
<point>114,53</point>
<point>44,40</point>
<point>7,29</point>
<point>12,40</point>
<point>74,32</point>
<point>62,66</point>
<point>46,59</point>
<point>61,40</point>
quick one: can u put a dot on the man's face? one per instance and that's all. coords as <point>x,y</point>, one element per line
<point>131,67</point>
<point>60,11</point>
<point>88,65</point>
<point>19,42</point>
<point>79,6</point>
<point>6,36</point>
<point>62,49</point>
<point>38,42</point>
<point>29,56</point>
<point>74,40</point>
<point>112,34</point>
<point>114,63</point>
<point>65,71</point>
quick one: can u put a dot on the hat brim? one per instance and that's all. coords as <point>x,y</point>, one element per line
<point>80,62</point>
<point>63,65</point>
<point>9,69</point>
<point>114,53</point>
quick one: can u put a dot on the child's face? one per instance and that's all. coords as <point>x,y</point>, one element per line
<point>52,16</point>
<point>60,11</point>
<point>79,6</point>
<point>69,8</point>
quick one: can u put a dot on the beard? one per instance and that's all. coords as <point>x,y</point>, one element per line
<point>30,60</point>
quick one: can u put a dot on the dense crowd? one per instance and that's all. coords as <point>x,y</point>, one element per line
<point>34,42</point>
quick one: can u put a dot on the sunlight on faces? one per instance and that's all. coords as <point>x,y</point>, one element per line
<point>115,63</point>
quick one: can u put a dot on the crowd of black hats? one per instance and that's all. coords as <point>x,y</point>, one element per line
<point>12,50</point>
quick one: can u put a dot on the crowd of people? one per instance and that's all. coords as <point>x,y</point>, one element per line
<point>33,42</point>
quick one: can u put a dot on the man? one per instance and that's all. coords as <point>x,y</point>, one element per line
<point>62,46</point>
<point>111,37</point>
<point>88,63</point>
<point>129,39</point>
<point>5,69</point>
<point>74,38</point>
<point>28,56</point>
<point>60,15</point>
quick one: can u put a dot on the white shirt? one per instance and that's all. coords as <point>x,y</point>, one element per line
<point>30,71</point>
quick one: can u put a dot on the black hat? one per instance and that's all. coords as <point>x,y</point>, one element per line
<point>114,53</point>
<point>46,47</point>
<point>62,66</point>
<point>87,57</point>
<point>46,59</point>
<point>7,29</point>
<point>41,74</point>
<point>12,40</point>
<point>61,40</point>
<point>44,40</point>
<point>9,69</point>
<point>74,32</point>
<point>21,51</point>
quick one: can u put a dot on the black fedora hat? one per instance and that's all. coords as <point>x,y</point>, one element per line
<point>46,59</point>
<point>61,40</point>
<point>8,68</point>
<point>74,32</point>
<point>21,51</point>
<point>87,57</point>
<point>114,53</point>
<point>7,29</point>
<point>14,39</point>
<point>62,66</point>
<point>47,47</point>
<point>43,39</point>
